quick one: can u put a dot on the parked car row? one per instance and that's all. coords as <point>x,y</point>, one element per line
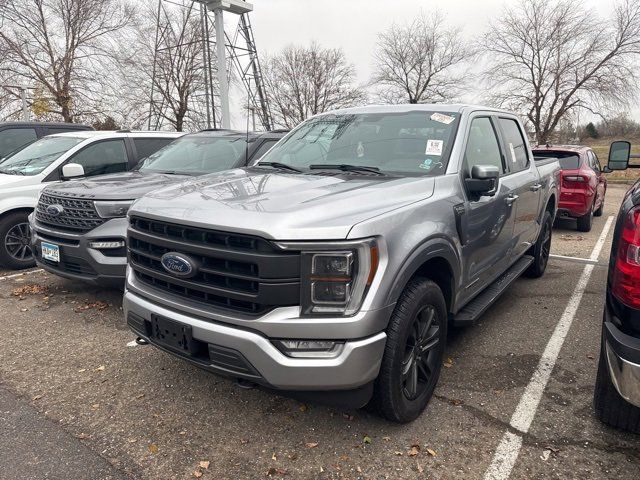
<point>331,267</point>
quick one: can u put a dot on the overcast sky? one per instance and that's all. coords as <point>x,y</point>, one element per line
<point>353,24</point>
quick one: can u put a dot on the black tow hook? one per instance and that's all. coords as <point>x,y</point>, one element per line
<point>141,341</point>
<point>245,384</point>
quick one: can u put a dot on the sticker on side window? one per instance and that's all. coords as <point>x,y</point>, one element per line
<point>434,147</point>
<point>513,153</point>
<point>442,118</point>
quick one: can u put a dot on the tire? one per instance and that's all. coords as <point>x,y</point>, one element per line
<point>586,221</point>
<point>600,210</point>
<point>15,242</point>
<point>610,407</point>
<point>420,316</point>
<point>541,249</point>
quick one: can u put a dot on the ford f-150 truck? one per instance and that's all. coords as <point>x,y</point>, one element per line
<point>79,227</point>
<point>333,267</point>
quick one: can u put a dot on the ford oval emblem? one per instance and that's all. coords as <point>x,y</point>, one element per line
<point>55,210</point>
<point>179,265</point>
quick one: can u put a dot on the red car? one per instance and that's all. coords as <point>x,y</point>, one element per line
<point>583,184</point>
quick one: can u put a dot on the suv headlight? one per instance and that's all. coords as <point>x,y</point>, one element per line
<point>116,209</point>
<point>335,276</point>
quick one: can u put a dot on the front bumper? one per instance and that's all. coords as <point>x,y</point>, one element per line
<point>250,354</point>
<point>623,359</point>
<point>78,261</point>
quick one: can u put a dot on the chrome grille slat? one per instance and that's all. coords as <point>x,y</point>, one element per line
<point>79,215</point>
<point>236,272</point>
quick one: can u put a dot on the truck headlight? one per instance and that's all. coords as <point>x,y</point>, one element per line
<point>116,209</point>
<point>335,276</point>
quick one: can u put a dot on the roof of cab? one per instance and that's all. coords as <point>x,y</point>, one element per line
<point>408,107</point>
<point>78,126</point>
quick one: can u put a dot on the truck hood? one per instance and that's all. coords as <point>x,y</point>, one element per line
<point>116,186</point>
<point>282,206</point>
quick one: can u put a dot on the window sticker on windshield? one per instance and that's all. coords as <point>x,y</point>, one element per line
<point>434,147</point>
<point>360,150</point>
<point>442,118</point>
<point>513,153</point>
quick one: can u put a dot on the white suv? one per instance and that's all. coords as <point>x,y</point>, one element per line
<point>55,158</point>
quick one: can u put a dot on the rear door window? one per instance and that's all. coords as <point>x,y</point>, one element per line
<point>107,156</point>
<point>149,146</point>
<point>13,138</point>
<point>515,146</point>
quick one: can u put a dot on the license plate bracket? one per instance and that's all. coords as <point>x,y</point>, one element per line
<point>50,252</point>
<point>174,335</point>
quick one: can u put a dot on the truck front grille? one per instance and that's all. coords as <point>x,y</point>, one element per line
<point>235,272</point>
<point>77,215</point>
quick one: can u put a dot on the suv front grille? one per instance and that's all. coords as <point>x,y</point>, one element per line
<point>78,215</point>
<point>242,273</point>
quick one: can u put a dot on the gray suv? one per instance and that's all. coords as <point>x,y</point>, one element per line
<point>79,227</point>
<point>333,268</point>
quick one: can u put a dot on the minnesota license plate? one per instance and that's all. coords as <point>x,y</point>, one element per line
<point>50,252</point>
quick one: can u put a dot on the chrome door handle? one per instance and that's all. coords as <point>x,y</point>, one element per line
<point>536,187</point>
<point>511,198</point>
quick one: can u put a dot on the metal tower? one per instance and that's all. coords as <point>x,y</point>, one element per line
<point>235,53</point>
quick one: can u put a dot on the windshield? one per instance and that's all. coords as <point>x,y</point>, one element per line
<point>408,143</point>
<point>37,156</point>
<point>196,155</point>
<point>568,160</point>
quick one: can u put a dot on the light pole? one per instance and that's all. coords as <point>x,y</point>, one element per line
<point>237,7</point>
<point>23,97</point>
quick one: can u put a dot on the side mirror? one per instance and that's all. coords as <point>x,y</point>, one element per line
<point>484,180</point>
<point>72,170</point>
<point>619,154</point>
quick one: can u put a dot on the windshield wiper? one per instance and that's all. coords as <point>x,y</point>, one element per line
<point>12,172</point>
<point>347,168</point>
<point>281,166</point>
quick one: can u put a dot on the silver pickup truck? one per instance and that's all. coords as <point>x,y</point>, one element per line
<point>333,268</point>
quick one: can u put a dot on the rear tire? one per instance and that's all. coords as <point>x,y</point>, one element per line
<point>600,210</point>
<point>541,249</point>
<point>610,407</point>
<point>15,242</point>
<point>413,354</point>
<point>586,221</point>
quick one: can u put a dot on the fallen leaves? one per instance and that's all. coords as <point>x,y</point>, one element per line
<point>100,368</point>
<point>99,305</point>
<point>153,448</point>
<point>37,397</point>
<point>367,440</point>
<point>204,464</point>
<point>276,471</point>
<point>448,363</point>
<point>30,290</point>
<point>414,450</point>
<point>311,444</point>
<point>431,452</point>
<point>303,407</point>
<point>81,436</point>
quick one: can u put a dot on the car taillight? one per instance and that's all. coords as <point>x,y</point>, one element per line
<point>626,276</point>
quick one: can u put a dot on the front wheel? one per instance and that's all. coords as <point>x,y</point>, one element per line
<point>541,249</point>
<point>413,354</point>
<point>15,242</point>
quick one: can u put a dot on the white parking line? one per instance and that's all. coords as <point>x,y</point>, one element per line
<point>586,261</point>
<point>509,448</point>
<point>28,272</point>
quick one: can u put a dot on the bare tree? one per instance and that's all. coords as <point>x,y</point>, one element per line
<point>420,62</point>
<point>169,61</point>
<point>304,81</point>
<point>63,47</point>
<point>548,59</point>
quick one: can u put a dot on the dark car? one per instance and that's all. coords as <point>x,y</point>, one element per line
<point>15,135</point>
<point>617,392</point>
<point>86,240</point>
<point>583,185</point>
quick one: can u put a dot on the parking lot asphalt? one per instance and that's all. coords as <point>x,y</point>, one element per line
<point>66,357</point>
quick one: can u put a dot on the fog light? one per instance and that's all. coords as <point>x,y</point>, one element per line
<point>309,348</point>
<point>107,245</point>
